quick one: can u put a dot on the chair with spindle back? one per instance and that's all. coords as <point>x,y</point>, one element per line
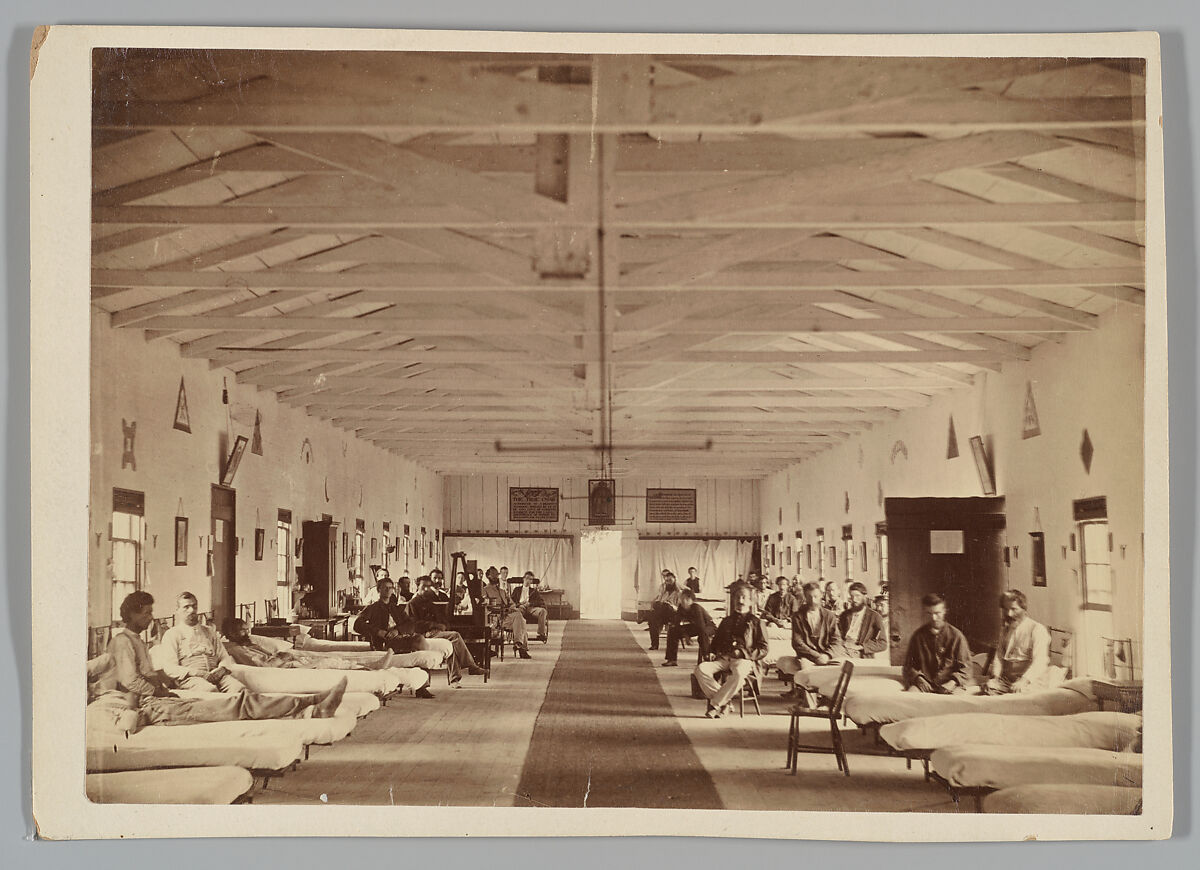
<point>247,612</point>
<point>831,713</point>
<point>98,638</point>
<point>270,609</point>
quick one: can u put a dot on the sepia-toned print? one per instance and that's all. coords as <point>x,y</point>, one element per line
<point>596,322</point>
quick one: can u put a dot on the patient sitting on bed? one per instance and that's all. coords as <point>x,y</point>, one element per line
<point>148,690</point>
<point>1022,659</point>
<point>243,650</point>
<point>194,656</point>
<point>938,659</point>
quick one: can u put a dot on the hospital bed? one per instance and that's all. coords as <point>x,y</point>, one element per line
<point>978,770</point>
<point>179,785</point>
<point>1105,800</point>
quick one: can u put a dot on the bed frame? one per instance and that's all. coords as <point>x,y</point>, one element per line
<point>978,792</point>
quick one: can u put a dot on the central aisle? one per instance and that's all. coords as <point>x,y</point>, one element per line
<point>606,735</point>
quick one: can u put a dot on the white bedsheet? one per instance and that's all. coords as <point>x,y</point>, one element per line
<point>180,785</point>
<point>1100,800</point>
<point>1005,766</point>
<point>308,680</point>
<point>354,705</point>
<point>869,678</point>
<point>180,746</point>
<point>870,708</point>
<point>305,642</point>
<point>1095,730</point>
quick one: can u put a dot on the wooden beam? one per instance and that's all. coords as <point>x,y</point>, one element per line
<point>334,218</point>
<point>835,182</point>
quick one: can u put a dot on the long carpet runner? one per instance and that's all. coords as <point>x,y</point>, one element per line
<point>606,736</point>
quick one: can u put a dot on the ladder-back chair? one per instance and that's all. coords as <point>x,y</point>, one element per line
<point>831,713</point>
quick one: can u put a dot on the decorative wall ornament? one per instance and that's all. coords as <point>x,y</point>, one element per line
<point>181,543</point>
<point>952,442</point>
<point>183,421</point>
<point>256,438</point>
<point>899,449</point>
<point>260,540</point>
<point>879,491</point>
<point>129,432</point>
<point>306,452</point>
<point>326,488</point>
<point>1029,418</point>
<point>846,497</point>
<point>1086,452</point>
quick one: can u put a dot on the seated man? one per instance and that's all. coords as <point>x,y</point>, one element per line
<point>739,643</point>
<point>385,625</point>
<point>777,612</point>
<point>498,601</point>
<point>195,657</point>
<point>529,601</point>
<point>663,607</point>
<point>1022,659</point>
<point>759,593</point>
<point>815,638</point>
<point>425,609</point>
<point>693,581</point>
<point>861,627</point>
<point>243,650</point>
<point>438,585</point>
<point>691,620</point>
<point>149,690</point>
<point>938,659</point>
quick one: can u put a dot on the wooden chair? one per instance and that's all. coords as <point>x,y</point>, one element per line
<point>831,713</point>
<point>98,638</point>
<point>270,609</point>
<point>750,689</point>
<point>247,613</point>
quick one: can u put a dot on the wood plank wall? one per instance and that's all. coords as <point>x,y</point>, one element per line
<point>479,503</point>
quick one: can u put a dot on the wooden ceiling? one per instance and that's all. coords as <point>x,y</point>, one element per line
<point>439,252</point>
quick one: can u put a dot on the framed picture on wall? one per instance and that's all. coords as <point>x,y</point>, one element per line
<point>833,557</point>
<point>181,534</point>
<point>808,555</point>
<point>260,540</point>
<point>788,555</point>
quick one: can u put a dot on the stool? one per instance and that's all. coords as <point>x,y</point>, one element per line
<point>750,688</point>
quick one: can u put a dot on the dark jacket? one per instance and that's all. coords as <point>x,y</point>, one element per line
<point>824,640</point>
<point>535,597</point>
<point>939,657</point>
<point>739,636</point>
<point>779,609</point>
<point>696,616</point>
<point>870,631</point>
<point>372,624</point>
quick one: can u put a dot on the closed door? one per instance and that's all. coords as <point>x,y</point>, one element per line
<point>224,553</point>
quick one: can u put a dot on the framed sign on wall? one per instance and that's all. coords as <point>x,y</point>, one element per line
<point>532,504</point>
<point>670,505</point>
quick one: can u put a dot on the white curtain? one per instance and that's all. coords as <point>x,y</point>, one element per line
<point>552,560</point>
<point>718,562</point>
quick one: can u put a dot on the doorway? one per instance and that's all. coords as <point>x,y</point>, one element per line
<point>607,561</point>
<point>224,553</point>
<point>951,546</point>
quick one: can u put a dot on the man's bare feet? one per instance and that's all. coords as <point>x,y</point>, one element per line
<point>385,662</point>
<point>328,702</point>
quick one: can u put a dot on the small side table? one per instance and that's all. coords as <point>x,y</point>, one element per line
<point>1126,694</point>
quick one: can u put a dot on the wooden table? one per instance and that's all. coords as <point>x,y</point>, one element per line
<point>1126,694</point>
<point>336,627</point>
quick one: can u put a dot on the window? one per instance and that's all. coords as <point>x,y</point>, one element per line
<point>283,561</point>
<point>848,542</point>
<point>128,533</point>
<point>1096,580</point>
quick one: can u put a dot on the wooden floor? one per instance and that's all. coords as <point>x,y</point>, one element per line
<point>467,748</point>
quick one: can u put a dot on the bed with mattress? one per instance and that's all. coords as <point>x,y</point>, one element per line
<point>978,770</point>
<point>1098,800</point>
<point>179,785</point>
<point>1093,730</point>
<point>874,707</point>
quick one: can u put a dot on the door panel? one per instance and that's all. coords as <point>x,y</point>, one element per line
<point>224,553</point>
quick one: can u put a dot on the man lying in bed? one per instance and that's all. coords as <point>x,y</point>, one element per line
<point>149,691</point>
<point>243,650</point>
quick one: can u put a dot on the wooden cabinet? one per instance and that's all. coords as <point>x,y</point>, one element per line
<point>319,549</point>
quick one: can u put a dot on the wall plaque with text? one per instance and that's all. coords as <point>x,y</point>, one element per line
<point>670,505</point>
<point>532,504</point>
